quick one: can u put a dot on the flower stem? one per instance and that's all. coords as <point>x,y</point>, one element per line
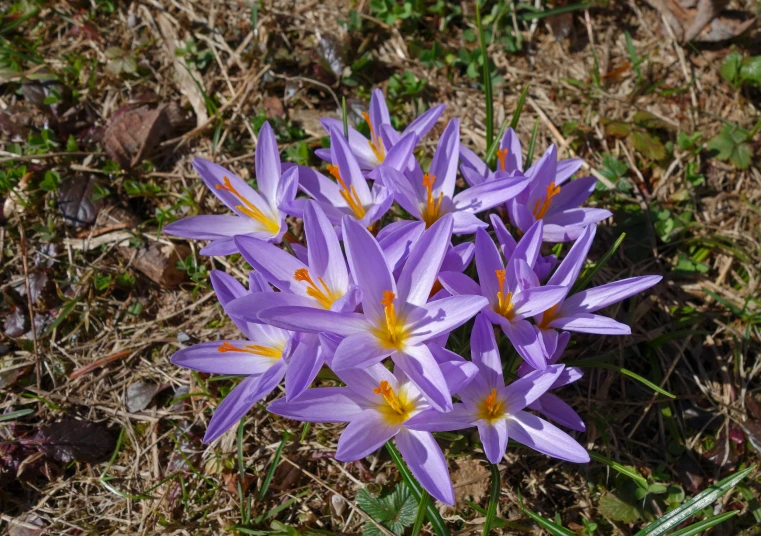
<point>487,78</point>
<point>491,510</point>
<point>420,517</point>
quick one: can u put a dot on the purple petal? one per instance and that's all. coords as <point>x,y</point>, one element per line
<point>219,248</point>
<point>507,243</point>
<point>303,366</point>
<point>288,186</point>
<point>456,283</point>
<point>493,438</point>
<point>544,437</point>
<point>348,166</point>
<point>249,306</point>
<point>589,323</point>
<point>325,256</point>
<point>325,404</point>
<point>319,187</point>
<point>466,223</point>
<point>543,173</point>
<point>212,227</point>
<point>397,240</point>
<point>489,194</point>
<point>557,410</point>
<point>573,194</point>
<point>530,244</point>
<point>364,381</point>
<point>520,216</point>
<point>383,198</point>
<point>398,156</point>
<point>569,269</point>
<point>366,433</point>
<point>368,267</point>
<point>418,364</point>
<point>422,266</point>
<point>241,399</point>
<point>444,315</point>
<point>488,262</point>
<point>226,287</point>
<point>405,193</point>
<point>206,357</point>
<point>514,159</point>
<point>425,122</point>
<point>524,391</point>
<point>458,257</point>
<point>213,174</point>
<point>566,169</point>
<point>444,162</point>
<point>577,217</point>
<point>457,371</point>
<point>432,420</point>
<point>308,320</point>
<point>427,463</point>
<point>485,353</point>
<point>378,109</point>
<point>526,342</point>
<point>359,350</point>
<point>277,266</point>
<point>267,163</point>
<point>533,301</point>
<point>477,168</point>
<point>594,299</point>
<point>357,141</point>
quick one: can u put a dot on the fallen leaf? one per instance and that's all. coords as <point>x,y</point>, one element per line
<point>158,261</point>
<point>139,395</point>
<point>618,510</point>
<point>72,439</point>
<point>75,199</point>
<point>273,107</point>
<point>16,323</point>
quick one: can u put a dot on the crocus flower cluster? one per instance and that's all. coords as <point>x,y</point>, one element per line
<point>374,298</point>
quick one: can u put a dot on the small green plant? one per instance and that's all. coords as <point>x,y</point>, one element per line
<point>51,181</point>
<point>739,70</point>
<point>395,511</point>
<point>642,133</point>
<point>194,57</point>
<point>732,144</point>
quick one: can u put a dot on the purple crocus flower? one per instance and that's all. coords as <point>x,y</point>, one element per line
<point>397,319</point>
<point>257,214</point>
<point>498,410</point>
<point>575,312</point>
<point>263,358</point>
<point>430,196</point>
<point>549,404</point>
<point>377,405</point>
<point>513,292</point>
<point>507,245</point>
<point>350,194</point>
<point>382,147</point>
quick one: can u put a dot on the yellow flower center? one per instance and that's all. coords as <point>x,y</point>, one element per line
<point>349,193</point>
<point>491,407</point>
<point>274,353</point>
<point>543,205</point>
<point>397,408</point>
<point>432,207</point>
<point>324,295</point>
<point>393,333</point>
<point>249,209</point>
<point>502,155</point>
<point>376,144</point>
<point>504,300</point>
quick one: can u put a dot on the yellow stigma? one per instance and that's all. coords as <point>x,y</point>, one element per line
<point>274,353</point>
<point>543,205</point>
<point>397,408</point>
<point>249,209</point>
<point>393,333</point>
<point>504,300</point>
<point>491,408</point>
<point>376,144</point>
<point>431,210</point>
<point>548,316</point>
<point>348,193</point>
<point>502,155</point>
<point>324,295</point>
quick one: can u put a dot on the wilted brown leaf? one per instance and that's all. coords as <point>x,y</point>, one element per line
<point>75,199</point>
<point>158,261</point>
<point>72,439</point>
<point>139,395</point>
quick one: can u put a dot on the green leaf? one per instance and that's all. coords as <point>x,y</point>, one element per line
<point>618,510</point>
<point>546,524</point>
<point>742,156</point>
<point>721,146</point>
<point>491,512</point>
<point>750,71</point>
<point>694,505</point>
<point>395,511</point>
<point>700,526</point>
<point>617,129</point>
<point>649,121</point>
<point>519,108</point>
<point>647,144</point>
<point>730,67</point>
<point>273,466</point>
<point>624,470</point>
<point>687,142</point>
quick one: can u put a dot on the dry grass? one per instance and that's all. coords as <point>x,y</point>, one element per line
<point>163,480</point>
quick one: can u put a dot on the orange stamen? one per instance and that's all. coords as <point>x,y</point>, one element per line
<point>275,353</point>
<point>385,389</point>
<point>376,144</point>
<point>492,407</point>
<point>349,193</point>
<point>502,155</point>
<point>504,300</point>
<point>431,211</point>
<point>248,208</point>
<point>324,295</point>
<point>543,205</point>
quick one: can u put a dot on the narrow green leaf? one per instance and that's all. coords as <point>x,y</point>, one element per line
<point>487,78</point>
<point>66,311</point>
<point>694,505</point>
<point>273,466</point>
<point>584,280</point>
<point>645,381</point>
<point>618,467</point>
<point>492,152</point>
<point>345,117</point>
<point>519,108</point>
<point>16,414</point>
<point>439,527</point>
<point>493,499</point>
<point>633,55</point>
<point>700,526</point>
<point>239,441</point>
<point>546,524</point>
<point>420,517</point>
<point>531,146</point>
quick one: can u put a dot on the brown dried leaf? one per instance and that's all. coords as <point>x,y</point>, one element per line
<point>273,107</point>
<point>75,199</point>
<point>139,395</point>
<point>72,439</point>
<point>16,323</point>
<point>131,134</point>
<point>158,261</point>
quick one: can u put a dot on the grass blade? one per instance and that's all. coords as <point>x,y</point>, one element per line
<point>584,280</point>
<point>694,505</point>
<point>531,146</point>
<point>519,108</point>
<point>700,526</point>
<point>439,527</point>
<point>420,517</point>
<point>550,526</point>
<point>491,511</point>
<point>345,117</point>
<point>637,377</point>
<point>16,414</point>
<point>633,55</point>
<point>642,481</point>
<point>487,79</point>
<point>492,152</point>
<point>273,466</point>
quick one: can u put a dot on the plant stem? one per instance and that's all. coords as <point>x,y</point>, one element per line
<point>487,79</point>
<point>491,510</point>
<point>422,505</point>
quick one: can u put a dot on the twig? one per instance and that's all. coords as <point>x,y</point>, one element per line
<point>30,305</point>
<point>102,362</point>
